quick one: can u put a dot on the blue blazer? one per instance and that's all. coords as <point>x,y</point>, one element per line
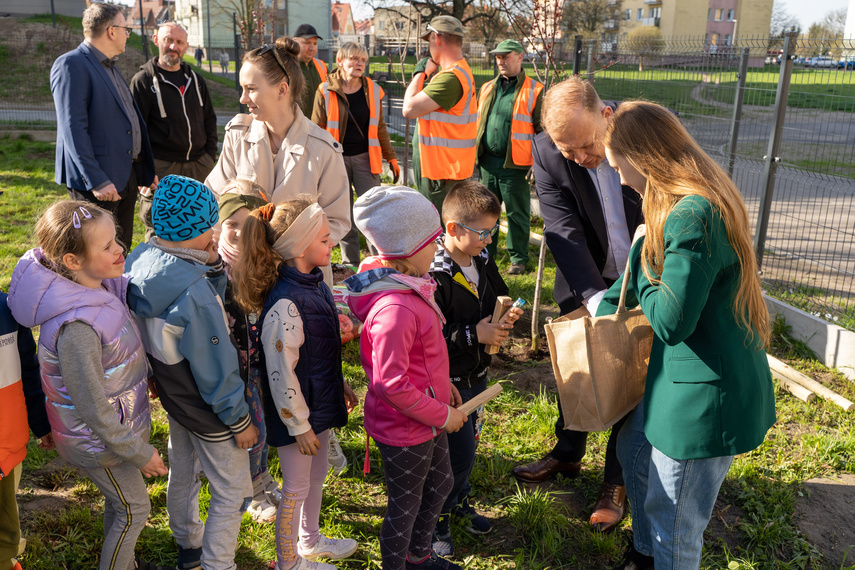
<point>94,143</point>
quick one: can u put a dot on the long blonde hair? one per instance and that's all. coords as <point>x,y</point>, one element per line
<point>654,142</point>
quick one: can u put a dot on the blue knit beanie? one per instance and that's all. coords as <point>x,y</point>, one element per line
<point>182,208</point>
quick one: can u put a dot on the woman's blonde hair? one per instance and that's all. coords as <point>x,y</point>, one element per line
<point>63,229</point>
<point>654,142</point>
<point>257,270</point>
<point>350,49</point>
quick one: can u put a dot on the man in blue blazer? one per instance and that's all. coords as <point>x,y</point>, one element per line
<point>589,221</point>
<point>102,147</point>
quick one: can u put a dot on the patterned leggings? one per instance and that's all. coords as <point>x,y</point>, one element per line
<point>418,479</point>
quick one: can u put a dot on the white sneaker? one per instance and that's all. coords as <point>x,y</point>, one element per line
<point>303,564</point>
<point>336,458</point>
<point>261,510</point>
<point>272,488</point>
<point>334,548</point>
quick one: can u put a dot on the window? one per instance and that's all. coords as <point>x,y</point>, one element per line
<point>654,12</point>
<point>709,14</point>
<point>627,15</point>
<point>714,39</point>
<point>727,39</point>
<point>719,15</point>
<point>639,14</point>
<point>380,25</point>
<point>730,15</point>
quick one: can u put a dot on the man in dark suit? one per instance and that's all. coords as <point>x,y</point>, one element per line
<point>589,221</point>
<point>102,146</point>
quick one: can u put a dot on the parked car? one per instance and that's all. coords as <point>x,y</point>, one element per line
<point>823,61</point>
<point>846,63</point>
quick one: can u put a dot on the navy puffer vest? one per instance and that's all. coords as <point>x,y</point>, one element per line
<point>319,367</point>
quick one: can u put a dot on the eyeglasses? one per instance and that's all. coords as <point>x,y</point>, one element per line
<point>272,47</point>
<point>482,234</point>
<point>127,29</point>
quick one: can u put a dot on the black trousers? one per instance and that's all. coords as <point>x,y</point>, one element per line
<point>571,447</point>
<point>123,210</point>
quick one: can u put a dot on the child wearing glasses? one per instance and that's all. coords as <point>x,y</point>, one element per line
<point>468,283</point>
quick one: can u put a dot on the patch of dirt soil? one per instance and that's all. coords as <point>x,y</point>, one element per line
<point>48,489</point>
<point>826,515</point>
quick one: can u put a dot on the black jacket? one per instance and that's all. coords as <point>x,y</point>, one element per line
<point>189,128</point>
<point>462,309</point>
<point>574,223</point>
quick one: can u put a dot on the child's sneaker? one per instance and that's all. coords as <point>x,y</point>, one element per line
<point>442,543</point>
<point>303,564</point>
<point>272,488</point>
<point>336,458</point>
<point>475,523</point>
<point>334,548</point>
<point>261,510</point>
<point>17,565</point>
<point>433,562</point>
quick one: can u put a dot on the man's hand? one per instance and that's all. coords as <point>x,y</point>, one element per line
<point>430,67</point>
<point>149,190</point>
<point>107,194</point>
<point>154,467</point>
<point>492,333</point>
<point>396,170</point>
<point>247,438</point>
<point>308,443</point>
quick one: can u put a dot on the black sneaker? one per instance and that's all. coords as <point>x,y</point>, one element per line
<point>433,562</point>
<point>189,558</point>
<point>143,565</point>
<point>442,543</point>
<point>475,523</point>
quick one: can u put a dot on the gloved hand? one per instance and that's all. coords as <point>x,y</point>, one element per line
<point>396,170</point>
<point>421,65</point>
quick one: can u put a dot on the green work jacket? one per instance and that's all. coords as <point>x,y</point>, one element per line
<point>708,392</point>
<point>482,118</point>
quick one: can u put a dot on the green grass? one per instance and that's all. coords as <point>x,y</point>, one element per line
<point>537,527</point>
<point>825,89</point>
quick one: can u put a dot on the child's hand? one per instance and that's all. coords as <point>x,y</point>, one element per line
<point>247,438</point>
<point>492,333</point>
<point>456,399</point>
<point>152,389</point>
<point>154,467</point>
<point>46,442</point>
<point>512,316</point>
<point>350,399</point>
<point>456,419</point>
<point>308,442</point>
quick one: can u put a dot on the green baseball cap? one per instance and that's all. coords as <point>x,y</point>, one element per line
<point>507,46</point>
<point>444,25</point>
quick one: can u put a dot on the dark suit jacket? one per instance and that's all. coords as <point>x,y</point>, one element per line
<point>574,223</point>
<point>94,143</point>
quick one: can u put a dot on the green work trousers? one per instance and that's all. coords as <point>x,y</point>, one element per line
<point>510,186</point>
<point>11,544</point>
<point>433,190</point>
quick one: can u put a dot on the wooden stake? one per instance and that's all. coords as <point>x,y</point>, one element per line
<point>809,383</point>
<point>503,304</point>
<point>481,399</point>
<point>796,390</point>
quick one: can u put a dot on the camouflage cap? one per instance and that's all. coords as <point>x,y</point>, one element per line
<point>444,25</point>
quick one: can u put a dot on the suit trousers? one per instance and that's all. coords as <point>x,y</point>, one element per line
<point>571,447</point>
<point>359,176</point>
<point>123,210</point>
<point>511,187</point>
<point>195,169</point>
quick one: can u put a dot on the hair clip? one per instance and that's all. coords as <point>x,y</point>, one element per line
<point>85,213</point>
<point>75,218</point>
<point>267,211</point>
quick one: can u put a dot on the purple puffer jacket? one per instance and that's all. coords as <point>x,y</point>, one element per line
<point>39,296</point>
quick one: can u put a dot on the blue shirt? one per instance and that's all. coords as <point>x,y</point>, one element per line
<point>607,182</point>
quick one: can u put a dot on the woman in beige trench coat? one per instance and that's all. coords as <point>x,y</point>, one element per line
<point>276,146</point>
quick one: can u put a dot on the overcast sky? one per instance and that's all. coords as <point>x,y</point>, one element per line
<point>811,11</point>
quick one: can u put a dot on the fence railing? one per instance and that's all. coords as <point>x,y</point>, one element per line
<point>783,128</point>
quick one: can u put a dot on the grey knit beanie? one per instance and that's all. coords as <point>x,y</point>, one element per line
<point>397,220</point>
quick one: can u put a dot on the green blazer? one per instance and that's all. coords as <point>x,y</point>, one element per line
<point>708,392</point>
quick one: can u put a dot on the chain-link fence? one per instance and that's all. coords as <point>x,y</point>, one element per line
<point>784,130</point>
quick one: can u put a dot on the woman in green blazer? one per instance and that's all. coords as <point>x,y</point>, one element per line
<point>709,393</point>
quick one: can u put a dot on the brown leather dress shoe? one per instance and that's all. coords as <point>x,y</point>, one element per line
<point>543,469</point>
<point>609,509</point>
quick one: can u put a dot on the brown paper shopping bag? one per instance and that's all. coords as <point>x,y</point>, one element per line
<point>600,364</point>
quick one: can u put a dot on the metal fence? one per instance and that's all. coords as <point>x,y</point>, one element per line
<point>784,130</point>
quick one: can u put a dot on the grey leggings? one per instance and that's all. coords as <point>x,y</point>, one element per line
<point>418,480</point>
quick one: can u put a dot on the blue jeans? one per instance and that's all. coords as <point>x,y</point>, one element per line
<point>461,449</point>
<point>671,499</point>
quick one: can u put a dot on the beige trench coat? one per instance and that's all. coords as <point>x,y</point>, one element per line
<point>309,162</point>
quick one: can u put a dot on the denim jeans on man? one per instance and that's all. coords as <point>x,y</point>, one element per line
<point>671,500</point>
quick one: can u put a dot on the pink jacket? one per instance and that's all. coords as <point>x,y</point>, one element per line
<point>405,358</point>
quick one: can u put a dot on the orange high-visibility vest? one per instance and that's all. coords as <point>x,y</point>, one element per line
<point>522,126</point>
<point>375,95</point>
<point>321,67</point>
<point>447,138</point>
